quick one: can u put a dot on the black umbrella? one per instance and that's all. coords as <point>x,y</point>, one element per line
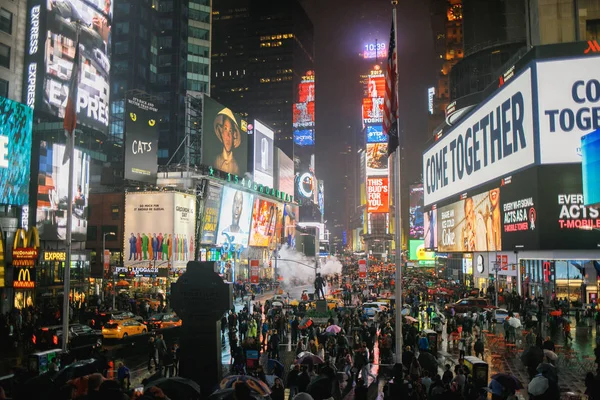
<point>320,387</point>
<point>177,388</point>
<point>227,394</point>
<point>549,371</point>
<point>532,356</point>
<point>508,381</point>
<point>428,362</point>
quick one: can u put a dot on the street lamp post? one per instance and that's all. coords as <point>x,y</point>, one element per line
<point>113,272</point>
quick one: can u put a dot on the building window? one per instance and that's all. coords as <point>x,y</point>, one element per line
<point>3,88</point>
<point>6,21</point>
<point>197,50</point>
<point>592,27</point>
<point>4,56</point>
<point>92,233</point>
<point>165,41</point>
<point>198,15</point>
<point>122,28</point>
<point>121,47</point>
<point>198,33</point>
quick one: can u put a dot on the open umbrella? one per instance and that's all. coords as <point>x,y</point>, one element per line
<point>256,385</point>
<point>275,366</point>
<point>177,387</point>
<point>304,353</point>
<point>122,283</point>
<point>410,319</point>
<point>508,381</point>
<point>334,329</point>
<point>406,311</point>
<point>549,371</point>
<point>514,322</point>
<point>556,313</point>
<point>305,323</point>
<point>550,355</point>
<point>309,359</point>
<point>227,394</point>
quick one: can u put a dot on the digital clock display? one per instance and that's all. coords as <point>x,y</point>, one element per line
<point>374,50</point>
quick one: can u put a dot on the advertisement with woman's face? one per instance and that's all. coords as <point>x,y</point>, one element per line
<point>472,224</point>
<point>234,218</point>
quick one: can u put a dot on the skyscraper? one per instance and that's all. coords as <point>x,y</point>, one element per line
<point>163,49</point>
<point>260,52</point>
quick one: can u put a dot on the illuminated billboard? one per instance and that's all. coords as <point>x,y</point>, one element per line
<point>264,222</point>
<point>235,217</point>
<point>471,224</point>
<point>53,187</point>
<point>52,27</point>
<point>306,92</point>
<point>372,110</point>
<point>304,137</point>
<point>285,173</point>
<point>376,86</point>
<point>210,219</point>
<point>141,140</point>
<point>377,195</point>
<point>15,152</point>
<point>377,159</point>
<point>375,134</point>
<point>415,212</point>
<point>224,139</point>
<point>303,115</point>
<point>263,154</point>
<point>430,229</point>
<point>374,50</point>
<point>159,229</point>
<point>417,252</point>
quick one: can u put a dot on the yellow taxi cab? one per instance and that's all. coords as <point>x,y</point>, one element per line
<point>331,304</point>
<point>117,329</point>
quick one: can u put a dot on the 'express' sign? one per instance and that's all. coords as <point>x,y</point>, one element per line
<point>495,140</point>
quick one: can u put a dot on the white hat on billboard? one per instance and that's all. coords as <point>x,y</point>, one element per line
<point>218,125</point>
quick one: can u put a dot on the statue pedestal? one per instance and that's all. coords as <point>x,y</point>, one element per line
<point>321,306</point>
<point>200,298</point>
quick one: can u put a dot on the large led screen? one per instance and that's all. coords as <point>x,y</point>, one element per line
<point>212,205</point>
<point>159,229</point>
<point>377,195</point>
<point>264,223</point>
<point>520,210</point>
<point>224,139</point>
<point>372,110</point>
<point>564,222</point>
<point>430,238</point>
<point>263,154</point>
<point>377,159</point>
<point>52,37</point>
<point>53,187</point>
<point>471,224</point>
<point>590,167</point>
<point>235,217</point>
<point>141,140</point>
<point>415,212</point>
<point>306,92</point>
<point>375,134</point>
<point>303,115</point>
<point>285,173</point>
<point>15,152</point>
<point>376,86</point>
<point>304,137</point>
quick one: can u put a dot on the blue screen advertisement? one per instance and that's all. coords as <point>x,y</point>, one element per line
<point>375,134</point>
<point>15,152</point>
<point>304,137</point>
<point>590,167</point>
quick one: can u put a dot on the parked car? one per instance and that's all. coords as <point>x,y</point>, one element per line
<point>163,320</point>
<point>80,336</point>
<point>470,303</point>
<point>120,329</point>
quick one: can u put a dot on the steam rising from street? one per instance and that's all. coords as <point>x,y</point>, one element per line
<point>297,269</point>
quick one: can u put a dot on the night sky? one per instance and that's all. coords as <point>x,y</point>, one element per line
<point>342,27</point>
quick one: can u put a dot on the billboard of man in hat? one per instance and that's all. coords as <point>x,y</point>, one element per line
<point>228,132</point>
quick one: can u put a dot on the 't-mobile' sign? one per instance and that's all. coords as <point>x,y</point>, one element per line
<point>569,107</point>
<point>495,140</point>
